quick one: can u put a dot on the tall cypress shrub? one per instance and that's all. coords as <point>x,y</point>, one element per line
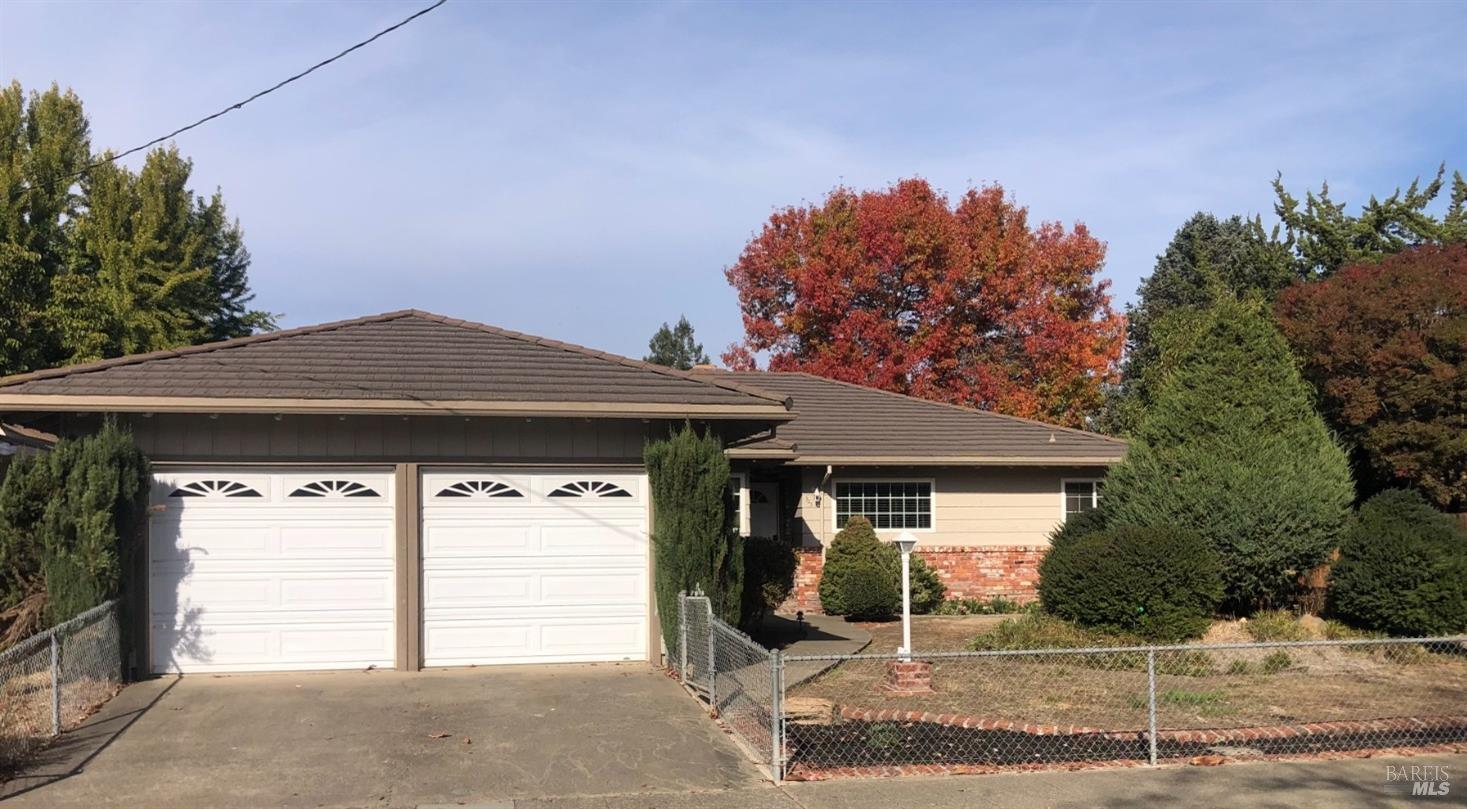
<point>1233,449</point>
<point>95,519</point>
<point>694,543</point>
<point>71,520</point>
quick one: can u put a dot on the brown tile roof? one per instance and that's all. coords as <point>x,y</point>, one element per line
<point>406,356</point>
<point>839,422</point>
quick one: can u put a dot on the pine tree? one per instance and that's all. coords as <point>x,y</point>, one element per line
<point>695,544</point>
<point>1325,238</point>
<point>1233,449</point>
<point>1207,260</point>
<point>674,347</point>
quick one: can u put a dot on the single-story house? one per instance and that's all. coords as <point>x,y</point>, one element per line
<point>413,490</point>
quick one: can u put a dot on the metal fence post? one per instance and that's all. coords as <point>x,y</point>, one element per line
<point>776,715</point>
<point>682,639</point>
<point>55,686</point>
<point>1151,701</point>
<point>712,659</point>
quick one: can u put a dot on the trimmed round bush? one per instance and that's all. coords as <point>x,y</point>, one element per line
<point>1160,583</point>
<point>868,591</point>
<point>1402,568</point>
<point>858,544</point>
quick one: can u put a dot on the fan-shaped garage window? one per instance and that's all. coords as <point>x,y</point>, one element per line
<point>757,496</point>
<point>590,488</point>
<point>214,488</point>
<point>479,488</point>
<point>335,488</point>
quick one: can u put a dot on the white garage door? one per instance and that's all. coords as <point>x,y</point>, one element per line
<point>270,571</point>
<point>522,568</point>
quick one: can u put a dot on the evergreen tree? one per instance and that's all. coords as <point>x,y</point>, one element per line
<point>94,521</point>
<point>674,347</point>
<point>1325,238</point>
<point>104,262</point>
<point>1233,450</point>
<point>696,546</point>
<point>1207,260</point>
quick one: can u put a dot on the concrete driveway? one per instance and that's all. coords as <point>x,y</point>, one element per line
<point>384,738</point>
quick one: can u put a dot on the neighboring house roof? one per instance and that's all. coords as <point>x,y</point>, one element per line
<point>18,440</point>
<point>844,424</point>
<point>400,362</point>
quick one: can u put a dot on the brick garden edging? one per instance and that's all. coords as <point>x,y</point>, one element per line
<point>1205,736</point>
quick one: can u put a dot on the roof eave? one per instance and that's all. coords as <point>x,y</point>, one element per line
<point>956,460</point>
<point>48,403</point>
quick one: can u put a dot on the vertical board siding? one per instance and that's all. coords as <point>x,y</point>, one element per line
<point>183,437</point>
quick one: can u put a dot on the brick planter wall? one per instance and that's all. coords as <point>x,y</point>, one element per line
<point>805,597</point>
<point>1011,571</point>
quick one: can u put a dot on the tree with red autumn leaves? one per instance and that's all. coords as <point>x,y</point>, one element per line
<point>967,304</point>
<point>1385,344</point>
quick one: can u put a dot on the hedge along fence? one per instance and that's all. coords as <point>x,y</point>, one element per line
<point>71,521</point>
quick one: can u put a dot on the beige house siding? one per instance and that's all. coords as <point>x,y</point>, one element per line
<point>975,506</point>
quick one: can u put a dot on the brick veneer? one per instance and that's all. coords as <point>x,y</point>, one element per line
<point>983,571</point>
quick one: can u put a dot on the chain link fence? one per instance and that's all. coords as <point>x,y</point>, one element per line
<point>51,681</point>
<point>735,675</point>
<point>976,711</point>
<point>813,716</point>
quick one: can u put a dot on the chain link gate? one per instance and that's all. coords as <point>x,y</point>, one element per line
<point>737,677</point>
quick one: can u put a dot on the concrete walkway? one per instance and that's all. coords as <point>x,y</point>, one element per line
<point>814,635</point>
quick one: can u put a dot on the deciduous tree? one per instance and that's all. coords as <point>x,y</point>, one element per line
<point>1385,345</point>
<point>900,290</point>
<point>98,262</point>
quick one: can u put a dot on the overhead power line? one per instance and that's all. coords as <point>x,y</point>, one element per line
<point>237,105</point>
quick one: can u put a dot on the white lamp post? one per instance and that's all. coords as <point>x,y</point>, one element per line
<point>905,542</point>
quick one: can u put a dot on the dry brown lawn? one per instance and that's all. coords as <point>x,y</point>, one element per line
<point>1212,689</point>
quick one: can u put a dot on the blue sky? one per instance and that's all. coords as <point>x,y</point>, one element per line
<point>586,171</point>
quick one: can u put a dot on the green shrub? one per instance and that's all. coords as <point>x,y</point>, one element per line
<point>858,544</point>
<point>1157,583</point>
<point>1275,625</point>
<point>928,592</point>
<point>694,543</point>
<point>1076,526</point>
<point>1402,568</point>
<point>72,519</point>
<point>1233,449</point>
<point>868,592</point>
<point>769,577</point>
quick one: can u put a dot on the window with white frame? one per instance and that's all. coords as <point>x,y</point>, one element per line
<point>888,504</point>
<point>1081,496</point>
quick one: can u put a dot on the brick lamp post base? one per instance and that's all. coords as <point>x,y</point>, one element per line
<point>907,679</point>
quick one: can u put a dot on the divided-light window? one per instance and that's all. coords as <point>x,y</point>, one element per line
<point>1081,496</point>
<point>894,504</point>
